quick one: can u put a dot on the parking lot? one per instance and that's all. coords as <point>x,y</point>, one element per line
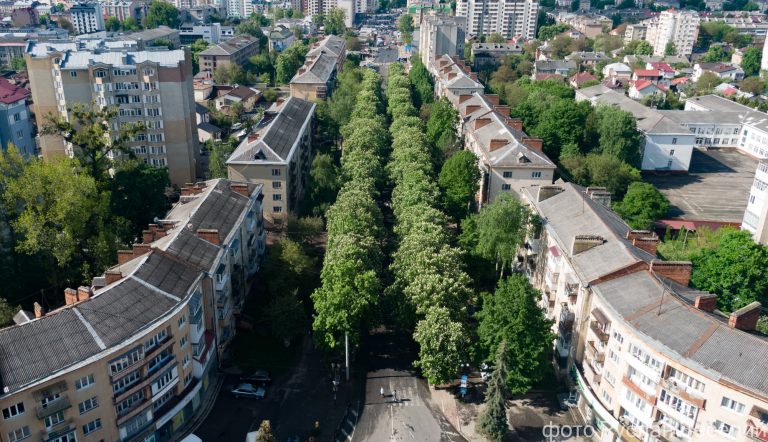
<point>715,189</point>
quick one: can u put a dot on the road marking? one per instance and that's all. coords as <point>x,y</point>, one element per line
<point>392,420</point>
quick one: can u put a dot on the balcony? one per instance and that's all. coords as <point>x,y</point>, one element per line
<point>162,363</point>
<point>684,391</point>
<point>572,292</point>
<point>594,353</point>
<point>757,430</point>
<point>43,411</point>
<point>221,279</point>
<point>598,331</point>
<point>590,375</point>
<point>224,313</point>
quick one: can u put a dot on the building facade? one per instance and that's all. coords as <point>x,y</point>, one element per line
<point>152,86</point>
<point>489,56</point>
<point>277,154</point>
<point>510,18</point>
<point>15,120</point>
<point>441,35</point>
<point>87,17</point>
<point>141,340</point>
<point>236,50</point>
<point>648,358</point>
<point>454,78</point>
<point>678,27</point>
<point>316,79</point>
<point>756,215</point>
<point>124,9</point>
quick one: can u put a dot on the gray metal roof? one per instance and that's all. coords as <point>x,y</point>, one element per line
<point>189,247</point>
<point>231,46</point>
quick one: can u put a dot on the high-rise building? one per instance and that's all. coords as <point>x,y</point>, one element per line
<point>153,87</point>
<point>441,35</point>
<point>239,8</point>
<point>87,18</point>
<point>764,60</point>
<point>350,8</point>
<point>123,9</point>
<point>510,18</point>
<point>15,123</point>
<point>680,28</point>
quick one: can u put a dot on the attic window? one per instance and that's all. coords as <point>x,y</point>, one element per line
<point>522,159</point>
<point>259,155</point>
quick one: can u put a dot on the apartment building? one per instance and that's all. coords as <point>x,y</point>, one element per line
<point>12,47</point>
<point>635,32</point>
<point>589,25</point>
<point>124,9</point>
<point>236,50</point>
<point>152,86</point>
<point>316,79</point>
<point>87,17</point>
<point>453,78</point>
<point>441,35</point>
<point>213,33</point>
<point>159,36</point>
<point>141,341</point>
<point>756,214</point>
<point>509,160</point>
<point>752,134</point>
<point>489,56</point>
<point>672,26</point>
<point>509,18</point>
<point>668,145</point>
<point>277,154</point>
<point>649,358</point>
<point>350,8</point>
<point>280,38</point>
<point>15,121</point>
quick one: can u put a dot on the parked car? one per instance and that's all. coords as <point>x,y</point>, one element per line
<point>258,376</point>
<point>249,390</point>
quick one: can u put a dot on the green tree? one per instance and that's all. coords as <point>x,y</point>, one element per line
<point>89,132</point>
<point>500,229</point>
<point>442,345</point>
<point>405,26</point>
<point>138,195</point>
<point>219,153</point>
<point>130,24</point>
<point>750,61</point>
<point>423,88</point>
<point>706,82</point>
<point>643,48</point>
<point>459,181</point>
<point>265,432</point>
<point>753,85</point>
<point>716,53</point>
<point>285,316</point>
<point>618,134</point>
<point>324,183</point>
<point>511,315</point>
<point>7,312</point>
<point>18,64</point>
<point>112,24</point>
<point>441,123</point>
<point>195,49</point>
<point>670,49</point>
<point>737,271</point>
<point>289,61</point>
<point>162,13</point>
<point>601,171</point>
<point>495,38</point>
<point>642,206</point>
<point>66,24</point>
<point>493,419</point>
<point>550,31</point>
<point>334,22</point>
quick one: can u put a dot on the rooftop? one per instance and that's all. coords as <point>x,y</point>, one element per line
<point>231,46</point>
<point>83,53</point>
<point>11,93</point>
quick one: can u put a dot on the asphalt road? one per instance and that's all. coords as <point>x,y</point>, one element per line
<point>386,56</point>
<point>409,416</point>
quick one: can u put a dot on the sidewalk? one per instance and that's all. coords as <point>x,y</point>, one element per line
<point>202,413</point>
<point>461,416</point>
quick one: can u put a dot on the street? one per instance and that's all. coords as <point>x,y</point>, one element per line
<point>410,416</point>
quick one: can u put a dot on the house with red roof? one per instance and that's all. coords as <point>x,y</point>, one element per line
<point>667,72</point>
<point>652,75</point>
<point>15,123</point>
<point>577,80</point>
<point>639,89</point>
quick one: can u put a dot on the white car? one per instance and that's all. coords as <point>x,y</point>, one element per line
<point>249,390</point>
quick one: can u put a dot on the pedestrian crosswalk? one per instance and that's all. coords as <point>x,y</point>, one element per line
<point>407,396</point>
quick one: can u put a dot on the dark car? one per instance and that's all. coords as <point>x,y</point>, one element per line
<point>258,376</point>
<point>248,390</point>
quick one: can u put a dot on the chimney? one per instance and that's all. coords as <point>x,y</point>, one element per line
<point>632,234</point>
<point>70,296</point>
<point>503,110</point>
<point>706,303</point>
<point>124,256</point>
<point>39,312</point>
<point>140,249</point>
<point>451,75</point>
<point>480,122</point>
<point>678,271</point>
<point>83,293</point>
<point>146,237</point>
<point>112,276</point>
<point>515,123</point>
<point>302,70</point>
<point>492,98</point>
<point>746,317</point>
<point>648,244</point>
<point>534,143</point>
<point>582,243</point>
<point>253,136</point>
<point>473,76</point>
<point>464,97</point>
<point>471,108</point>
<point>599,194</point>
<point>210,235</point>
<point>240,188</point>
<point>498,143</point>
<point>444,62</point>
<point>546,192</point>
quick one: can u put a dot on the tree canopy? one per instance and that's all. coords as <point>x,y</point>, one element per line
<point>289,61</point>
<point>334,22</point>
<point>405,26</point>
<point>642,206</point>
<point>162,13</point>
<point>459,180</point>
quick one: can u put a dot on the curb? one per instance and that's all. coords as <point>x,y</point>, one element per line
<point>204,411</point>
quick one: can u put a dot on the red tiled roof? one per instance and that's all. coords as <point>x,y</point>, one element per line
<point>680,80</point>
<point>10,93</point>
<point>582,77</point>
<point>663,67</point>
<point>647,73</point>
<point>641,84</point>
<point>541,77</point>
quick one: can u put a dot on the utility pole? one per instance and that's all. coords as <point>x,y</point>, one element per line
<point>346,351</point>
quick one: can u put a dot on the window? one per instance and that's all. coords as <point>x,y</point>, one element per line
<point>609,378</point>
<point>606,397</point>
<point>732,405</point>
<point>20,434</point>
<point>635,400</point>
<point>88,405</point>
<point>672,152</point>
<point>73,74</point>
<point>163,380</point>
<point>187,379</point>
<point>618,337</point>
<point>17,116</point>
<point>507,174</point>
<point>681,378</point>
<point>54,419</point>
<point>277,197</point>
<point>185,361</point>
<point>126,360</point>
<point>69,437</point>
<point>19,134</point>
<point>506,186</point>
<point>536,174</point>
<point>126,382</point>
<point>277,184</point>
<point>182,321</point>
<point>13,410</point>
<point>156,339</point>
<point>275,172</point>
<point>183,342</point>
<point>91,426</point>
<point>674,140</point>
<point>645,358</point>
<point>726,429</point>
<point>612,355</point>
<point>159,360</point>
<point>277,209</point>
<point>100,74</point>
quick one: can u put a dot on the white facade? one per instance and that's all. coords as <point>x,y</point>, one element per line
<point>678,27</point>
<point>439,36</point>
<point>324,6</point>
<point>87,18</point>
<point>668,151</point>
<point>756,214</point>
<point>239,8</point>
<point>764,60</point>
<point>510,18</point>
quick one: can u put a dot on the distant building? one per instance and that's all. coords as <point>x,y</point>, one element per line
<point>242,95</point>
<point>563,68</point>
<point>440,35</point>
<point>277,155</point>
<point>125,9</point>
<point>316,79</point>
<point>453,78</point>
<point>236,50</point>
<point>639,89</point>
<point>489,56</point>
<point>578,80</point>
<point>587,58</point>
<point>160,35</point>
<point>617,70</point>
<point>151,86</point>
<point>280,38</point>
<point>87,17</point>
<point>239,8</point>
<point>15,120</point>
<point>722,70</point>
<point>635,32</point>
<point>10,48</point>
<point>680,28</point>
<point>756,215</point>
<point>509,18</point>
<point>213,33</point>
